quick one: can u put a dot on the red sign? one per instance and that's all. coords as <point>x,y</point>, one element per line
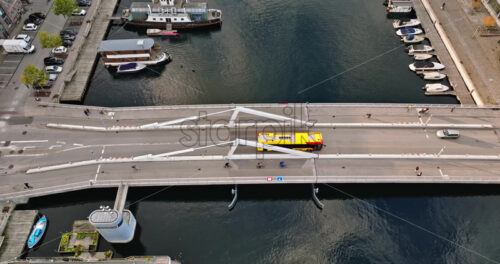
<point>269,179</point>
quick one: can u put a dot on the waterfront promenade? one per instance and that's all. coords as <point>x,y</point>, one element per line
<point>385,146</point>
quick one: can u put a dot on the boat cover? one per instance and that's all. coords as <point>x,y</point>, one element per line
<point>128,66</point>
<point>407,30</point>
<point>424,64</point>
<point>410,37</point>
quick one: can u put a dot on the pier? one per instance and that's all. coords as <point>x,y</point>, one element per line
<point>441,52</point>
<point>18,228</point>
<point>82,57</point>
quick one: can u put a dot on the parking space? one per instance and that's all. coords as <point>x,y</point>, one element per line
<point>8,67</point>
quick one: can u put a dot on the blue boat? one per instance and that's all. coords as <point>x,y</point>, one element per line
<point>38,231</point>
<point>131,67</point>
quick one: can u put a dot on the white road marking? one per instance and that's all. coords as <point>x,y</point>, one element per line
<point>29,147</point>
<point>26,141</point>
<point>54,146</point>
<point>25,155</point>
<point>99,167</point>
<point>79,145</point>
<point>61,142</point>
<point>445,176</point>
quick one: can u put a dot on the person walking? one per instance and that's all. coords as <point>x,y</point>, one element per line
<point>134,167</point>
<point>260,165</point>
<point>443,5</point>
<point>227,165</point>
<point>27,186</point>
<point>282,164</point>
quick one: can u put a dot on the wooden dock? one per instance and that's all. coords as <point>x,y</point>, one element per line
<point>454,77</point>
<point>16,234</point>
<point>82,58</point>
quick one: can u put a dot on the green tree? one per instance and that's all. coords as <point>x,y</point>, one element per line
<point>32,76</point>
<point>65,7</point>
<point>50,40</point>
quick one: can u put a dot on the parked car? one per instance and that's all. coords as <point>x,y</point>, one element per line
<point>79,12</point>
<point>67,43</point>
<point>47,85</point>
<point>23,37</point>
<point>38,14</point>
<point>68,37</point>
<point>51,61</point>
<point>68,31</point>
<point>36,21</point>
<point>448,133</point>
<point>59,50</point>
<point>34,17</point>
<point>30,27</point>
<point>53,69</point>
<point>84,3</point>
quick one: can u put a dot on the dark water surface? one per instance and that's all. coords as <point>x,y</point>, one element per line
<point>280,223</point>
<point>269,52</point>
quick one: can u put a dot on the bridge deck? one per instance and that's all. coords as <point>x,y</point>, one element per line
<point>385,146</point>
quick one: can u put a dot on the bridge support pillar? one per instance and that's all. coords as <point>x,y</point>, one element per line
<point>234,192</point>
<point>316,200</point>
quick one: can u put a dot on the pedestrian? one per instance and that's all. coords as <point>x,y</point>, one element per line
<point>416,169</point>
<point>409,108</point>
<point>85,112</point>
<point>88,110</point>
<point>134,167</point>
<point>27,186</point>
<point>282,164</point>
<point>442,6</point>
<point>368,115</point>
<point>37,99</point>
<point>419,173</point>
<point>452,109</point>
<point>259,165</point>
<point>227,165</point>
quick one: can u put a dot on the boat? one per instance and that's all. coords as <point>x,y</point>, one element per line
<point>161,13</point>
<point>419,48</point>
<point>433,76</point>
<point>422,56</point>
<point>130,67</point>
<point>124,51</point>
<point>38,231</point>
<point>399,9</point>
<point>410,39</point>
<point>402,23</point>
<point>408,31</point>
<point>426,66</point>
<point>160,32</point>
<point>436,88</point>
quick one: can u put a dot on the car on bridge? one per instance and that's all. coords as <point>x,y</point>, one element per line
<point>447,133</point>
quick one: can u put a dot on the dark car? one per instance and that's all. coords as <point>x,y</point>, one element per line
<point>68,37</point>
<point>68,31</point>
<point>33,17</point>
<point>47,85</point>
<point>36,21</point>
<point>38,15</point>
<point>67,43</point>
<point>84,3</point>
<point>51,61</point>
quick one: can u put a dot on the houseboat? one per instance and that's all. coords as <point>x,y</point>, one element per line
<point>125,51</point>
<point>162,13</point>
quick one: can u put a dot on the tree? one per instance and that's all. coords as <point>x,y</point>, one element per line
<point>33,77</point>
<point>65,7</point>
<point>50,40</point>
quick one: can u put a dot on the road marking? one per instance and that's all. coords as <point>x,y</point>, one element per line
<point>54,146</point>
<point>445,176</point>
<point>80,146</point>
<point>99,167</point>
<point>61,142</point>
<point>26,141</point>
<point>25,155</point>
<point>29,147</point>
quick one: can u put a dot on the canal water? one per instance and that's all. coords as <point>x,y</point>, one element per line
<point>281,224</point>
<point>273,51</point>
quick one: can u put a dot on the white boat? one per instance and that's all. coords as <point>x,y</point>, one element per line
<point>402,23</point>
<point>409,31</point>
<point>411,39</point>
<point>426,66</point>
<point>433,76</point>
<point>422,56</point>
<point>130,67</point>
<point>399,9</point>
<point>419,48</point>
<point>436,88</point>
<point>160,32</point>
<point>118,52</point>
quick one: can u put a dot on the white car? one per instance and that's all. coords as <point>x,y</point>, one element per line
<point>59,50</point>
<point>79,12</point>
<point>30,27</point>
<point>447,133</point>
<point>23,37</point>
<point>53,69</point>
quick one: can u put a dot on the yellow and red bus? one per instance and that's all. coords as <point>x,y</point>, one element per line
<point>301,141</point>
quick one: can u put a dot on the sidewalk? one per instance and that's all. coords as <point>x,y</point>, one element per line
<point>479,55</point>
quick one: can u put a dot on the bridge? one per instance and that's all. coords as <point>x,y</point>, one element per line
<point>57,148</point>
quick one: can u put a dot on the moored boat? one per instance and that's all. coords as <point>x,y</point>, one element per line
<point>426,66</point>
<point>408,31</point>
<point>436,88</point>
<point>130,67</point>
<point>419,48</point>
<point>411,39</point>
<point>422,56</point>
<point>124,51</point>
<point>402,23</point>
<point>399,9</point>
<point>38,231</point>
<point>161,13</point>
<point>160,32</point>
<point>433,76</point>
